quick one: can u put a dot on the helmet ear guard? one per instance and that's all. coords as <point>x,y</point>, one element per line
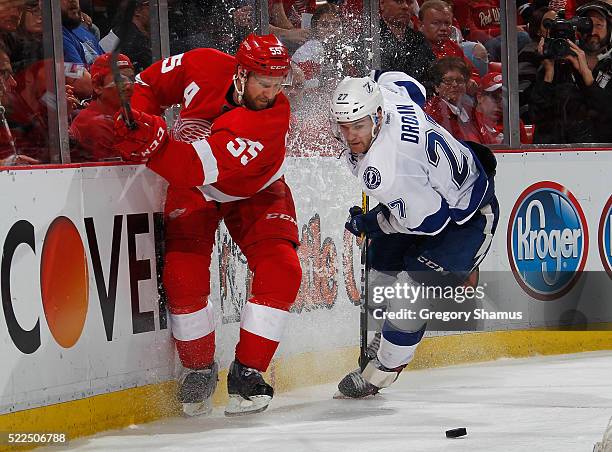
<point>240,76</point>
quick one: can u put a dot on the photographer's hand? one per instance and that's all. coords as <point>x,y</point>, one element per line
<point>579,62</point>
<point>547,64</point>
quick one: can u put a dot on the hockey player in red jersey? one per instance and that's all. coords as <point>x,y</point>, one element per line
<point>223,160</point>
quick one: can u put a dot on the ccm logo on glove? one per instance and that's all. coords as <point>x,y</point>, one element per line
<point>161,132</point>
<point>141,143</point>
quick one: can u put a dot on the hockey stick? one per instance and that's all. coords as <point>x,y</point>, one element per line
<point>126,9</point>
<point>363,315</point>
<point>9,134</point>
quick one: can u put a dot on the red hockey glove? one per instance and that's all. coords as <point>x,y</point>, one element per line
<point>146,139</point>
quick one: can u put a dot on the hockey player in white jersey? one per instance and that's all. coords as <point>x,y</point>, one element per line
<point>437,210</point>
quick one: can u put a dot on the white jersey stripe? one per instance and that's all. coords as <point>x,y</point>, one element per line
<point>487,212</point>
<point>264,321</point>
<point>139,81</point>
<point>209,162</point>
<point>214,194</point>
<point>188,327</point>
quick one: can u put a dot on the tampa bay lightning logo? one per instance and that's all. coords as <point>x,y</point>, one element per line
<point>547,240</point>
<point>371,177</point>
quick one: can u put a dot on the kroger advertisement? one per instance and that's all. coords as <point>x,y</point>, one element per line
<point>554,238</point>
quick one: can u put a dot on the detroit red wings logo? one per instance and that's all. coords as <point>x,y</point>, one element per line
<point>189,130</point>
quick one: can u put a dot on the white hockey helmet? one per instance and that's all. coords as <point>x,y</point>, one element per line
<point>354,99</point>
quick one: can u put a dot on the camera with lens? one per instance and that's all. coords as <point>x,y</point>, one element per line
<point>560,30</point>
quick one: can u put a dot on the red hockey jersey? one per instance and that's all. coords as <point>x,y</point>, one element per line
<point>482,17</point>
<point>228,152</point>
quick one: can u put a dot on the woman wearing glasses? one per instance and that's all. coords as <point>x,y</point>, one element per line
<point>450,106</point>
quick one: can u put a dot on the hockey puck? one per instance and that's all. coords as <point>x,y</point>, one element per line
<point>456,432</point>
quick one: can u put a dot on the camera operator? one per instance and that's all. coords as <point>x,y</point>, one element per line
<point>572,96</point>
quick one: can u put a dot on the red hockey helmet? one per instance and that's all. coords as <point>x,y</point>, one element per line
<point>264,55</point>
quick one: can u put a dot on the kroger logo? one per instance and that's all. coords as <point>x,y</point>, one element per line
<point>605,235</point>
<point>547,240</point>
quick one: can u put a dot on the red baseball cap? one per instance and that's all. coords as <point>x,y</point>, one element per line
<point>492,81</point>
<point>101,67</point>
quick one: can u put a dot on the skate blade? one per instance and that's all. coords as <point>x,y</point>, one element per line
<point>340,396</point>
<point>197,409</point>
<point>239,406</point>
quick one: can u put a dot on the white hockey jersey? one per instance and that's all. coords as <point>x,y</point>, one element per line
<point>415,167</point>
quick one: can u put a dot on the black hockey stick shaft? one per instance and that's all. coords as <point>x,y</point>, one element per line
<point>125,12</point>
<point>8,132</point>
<point>363,315</point>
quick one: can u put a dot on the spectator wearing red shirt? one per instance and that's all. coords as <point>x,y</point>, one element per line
<point>294,9</point>
<point>436,18</point>
<point>489,114</point>
<point>482,19</point>
<point>28,107</point>
<point>451,107</point>
<point>8,151</point>
<point>92,129</point>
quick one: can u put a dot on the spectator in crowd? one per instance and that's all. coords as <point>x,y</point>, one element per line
<point>238,19</point>
<point>526,8</point>
<point>530,58</point>
<point>324,61</point>
<point>477,54</point>
<point>92,129</point>
<point>10,16</point>
<point>292,33</point>
<point>450,106</point>
<point>488,112</point>
<point>597,42</point>
<point>29,35</point>
<point>402,48</point>
<point>481,20</point>
<point>29,105</point>
<point>79,79</point>
<point>80,45</point>
<point>137,45</point>
<point>220,24</point>
<point>296,11</point>
<point>436,18</point>
<point>571,98</point>
<point>321,57</point>
<point>89,25</point>
<point>8,148</point>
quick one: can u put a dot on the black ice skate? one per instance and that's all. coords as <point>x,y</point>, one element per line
<point>196,388</point>
<point>359,384</point>
<point>248,392</point>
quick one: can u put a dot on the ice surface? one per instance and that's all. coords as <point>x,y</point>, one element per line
<point>555,403</point>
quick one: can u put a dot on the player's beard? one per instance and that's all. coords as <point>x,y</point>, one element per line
<point>252,104</point>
